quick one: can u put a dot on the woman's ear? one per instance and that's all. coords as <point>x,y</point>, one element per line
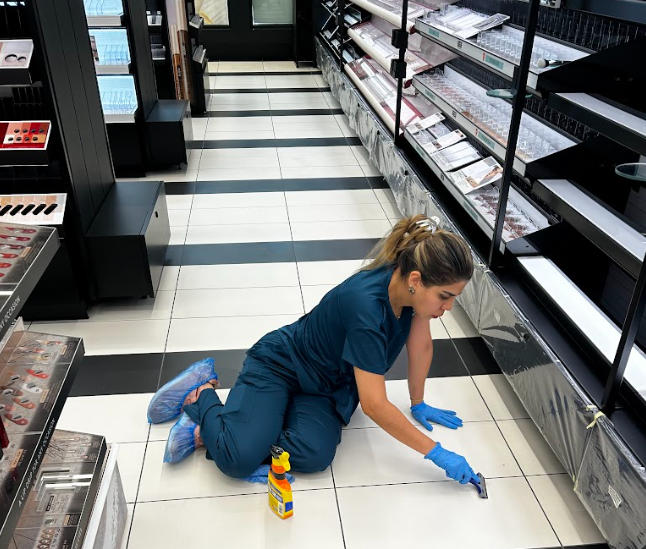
<point>415,278</point>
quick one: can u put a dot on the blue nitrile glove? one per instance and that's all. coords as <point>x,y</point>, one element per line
<point>456,466</point>
<point>260,475</point>
<point>424,413</point>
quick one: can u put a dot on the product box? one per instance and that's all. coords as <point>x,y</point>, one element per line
<point>19,247</point>
<point>456,156</point>
<point>445,141</point>
<point>477,175</point>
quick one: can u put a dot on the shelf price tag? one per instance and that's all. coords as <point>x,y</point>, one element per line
<point>493,61</point>
<point>433,32</point>
<point>428,93</point>
<point>485,139</point>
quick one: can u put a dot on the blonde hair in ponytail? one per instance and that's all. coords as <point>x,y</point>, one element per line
<point>417,244</point>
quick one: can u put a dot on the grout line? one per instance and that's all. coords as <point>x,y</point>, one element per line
<point>338,505</point>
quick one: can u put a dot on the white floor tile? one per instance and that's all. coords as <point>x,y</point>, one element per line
<point>307,120</point>
<point>257,105</point>
<point>239,200</point>
<point>313,273</point>
<point>339,212</point>
<point>213,66</point>
<point>231,216</point>
<point>530,448</point>
<point>177,235</point>
<point>322,82</point>
<point>247,522</point>
<point>340,230</point>
<point>131,461</point>
<point>239,123</point>
<point>178,218</point>
<point>314,157</point>
<point>241,163</point>
<point>193,159</point>
<point>321,198</point>
<point>240,66</point>
<point>284,66</point>
<point>392,211</point>
<point>119,418</point>
<point>179,201</point>
<point>197,477</point>
<point>384,460</point>
<point>331,100</point>
<point>238,302</point>
<point>362,155</point>
<point>173,175</point>
<point>307,133</point>
<point>566,513</point>
<point>371,171</point>
<point>255,154</point>
<point>195,334</point>
<point>223,234</point>
<point>450,393</point>
<point>157,308</point>
<point>246,82</point>
<point>280,103</point>
<point>438,331</point>
<point>385,195</point>
<point>169,278</point>
<point>113,338</point>
<point>312,295</point>
<point>458,323</point>
<point>444,514</point>
<point>291,81</point>
<point>325,172</point>
<point>500,397</point>
<point>238,174</point>
<point>342,121</point>
<point>290,98</point>
<point>252,275</point>
<point>242,101</point>
<point>240,135</point>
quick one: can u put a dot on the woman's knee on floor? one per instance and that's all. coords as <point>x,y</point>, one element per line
<point>239,467</point>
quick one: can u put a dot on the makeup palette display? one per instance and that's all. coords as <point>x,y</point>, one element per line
<point>15,58</point>
<point>24,143</point>
<point>33,209</point>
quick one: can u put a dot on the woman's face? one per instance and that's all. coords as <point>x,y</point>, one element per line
<point>433,301</point>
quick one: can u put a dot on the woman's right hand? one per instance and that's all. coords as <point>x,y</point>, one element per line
<point>455,465</point>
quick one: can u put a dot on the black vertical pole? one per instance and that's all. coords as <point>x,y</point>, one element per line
<point>518,103</point>
<point>628,334</point>
<point>341,26</point>
<point>401,66</point>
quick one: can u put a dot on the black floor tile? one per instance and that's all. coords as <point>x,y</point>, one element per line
<point>330,250</point>
<point>227,364</point>
<point>245,186</point>
<point>174,255</point>
<point>378,183</point>
<point>226,254</point>
<point>324,184</point>
<point>476,356</point>
<point>118,374</point>
<point>280,185</point>
<point>259,143</point>
<point>178,188</point>
<point>446,362</point>
<point>263,73</point>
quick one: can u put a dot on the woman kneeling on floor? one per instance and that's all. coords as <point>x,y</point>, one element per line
<point>300,384</point>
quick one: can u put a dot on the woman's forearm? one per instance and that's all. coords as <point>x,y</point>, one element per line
<point>391,420</point>
<point>419,363</point>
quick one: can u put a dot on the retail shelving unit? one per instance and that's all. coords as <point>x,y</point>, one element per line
<point>558,236</point>
<point>119,35</point>
<point>160,48</point>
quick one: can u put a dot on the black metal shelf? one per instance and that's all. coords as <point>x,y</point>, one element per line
<point>27,446</point>
<point>613,236</point>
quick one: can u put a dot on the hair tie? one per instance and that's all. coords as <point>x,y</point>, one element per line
<point>431,224</point>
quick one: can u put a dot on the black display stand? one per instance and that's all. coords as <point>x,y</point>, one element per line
<point>127,241</point>
<point>168,128</point>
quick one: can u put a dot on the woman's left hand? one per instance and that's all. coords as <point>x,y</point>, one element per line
<point>424,413</point>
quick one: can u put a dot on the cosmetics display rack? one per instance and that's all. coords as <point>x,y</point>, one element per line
<point>522,143</point>
<point>126,78</point>
<point>160,48</point>
<point>15,59</point>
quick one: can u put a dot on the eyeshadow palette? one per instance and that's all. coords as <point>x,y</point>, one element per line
<point>24,142</point>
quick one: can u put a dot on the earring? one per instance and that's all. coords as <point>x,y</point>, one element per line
<point>411,289</point>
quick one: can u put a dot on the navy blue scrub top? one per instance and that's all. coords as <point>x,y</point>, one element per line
<point>353,325</point>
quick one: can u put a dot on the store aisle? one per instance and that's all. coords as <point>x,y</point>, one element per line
<point>279,203</point>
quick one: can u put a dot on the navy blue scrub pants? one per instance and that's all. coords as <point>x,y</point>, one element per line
<point>266,406</point>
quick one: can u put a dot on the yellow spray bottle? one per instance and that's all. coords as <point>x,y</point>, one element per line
<point>280,491</point>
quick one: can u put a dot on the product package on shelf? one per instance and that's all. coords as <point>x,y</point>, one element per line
<point>24,142</point>
<point>15,58</point>
<point>456,156</point>
<point>381,90</point>
<point>59,505</point>
<point>118,98</point>
<point>425,123</point>
<point>492,117</point>
<point>378,45</point>
<point>111,51</point>
<point>445,141</point>
<point>463,22</point>
<point>477,175</point>
<point>391,10</point>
